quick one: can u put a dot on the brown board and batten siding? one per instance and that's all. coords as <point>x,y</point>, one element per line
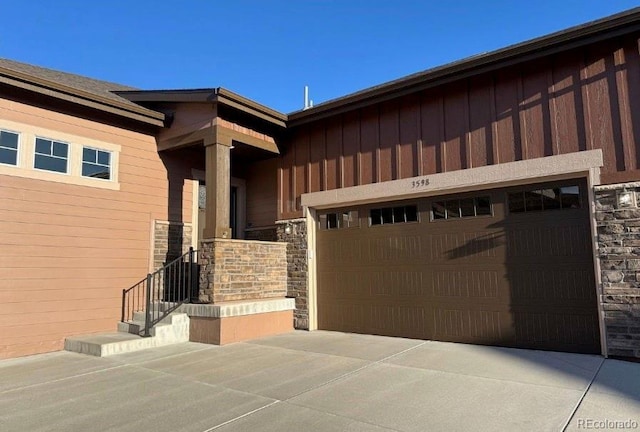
<point>66,250</point>
<point>260,180</point>
<point>573,101</point>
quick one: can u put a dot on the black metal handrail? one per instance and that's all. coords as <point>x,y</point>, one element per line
<point>162,291</point>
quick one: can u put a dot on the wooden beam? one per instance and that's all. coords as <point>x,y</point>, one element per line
<point>232,135</point>
<point>222,133</point>
<point>218,185</point>
<point>187,139</point>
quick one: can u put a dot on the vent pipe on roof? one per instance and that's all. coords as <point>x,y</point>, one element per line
<point>307,102</point>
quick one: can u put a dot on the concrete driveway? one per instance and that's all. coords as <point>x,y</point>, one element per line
<point>318,381</point>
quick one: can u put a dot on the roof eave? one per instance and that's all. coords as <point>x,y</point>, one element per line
<point>169,96</point>
<point>208,95</point>
<point>606,28</point>
<point>80,97</point>
<point>234,100</point>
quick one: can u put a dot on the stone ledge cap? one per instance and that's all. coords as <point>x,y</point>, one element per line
<point>240,241</point>
<point>616,186</point>
<point>238,308</point>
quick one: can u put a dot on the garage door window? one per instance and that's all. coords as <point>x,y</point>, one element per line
<point>535,200</point>
<point>461,208</point>
<point>393,215</point>
<point>338,220</point>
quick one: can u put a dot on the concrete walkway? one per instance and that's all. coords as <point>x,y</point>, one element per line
<point>318,381</point>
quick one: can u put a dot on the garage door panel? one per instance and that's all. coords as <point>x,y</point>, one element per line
<point>349,251</point>
<point>397,248</point>
<point>575,332</point>
<point>534,237</point>
<point>380,319</point>
<point>556,242</point>
<point>474,285</point>
<point>464,246</point>
<point>563,284</point>
<point>412,321</point>
<point>520,280</point>
<point>414,286</point>
<point>344,251</point>
<point>473,326</point>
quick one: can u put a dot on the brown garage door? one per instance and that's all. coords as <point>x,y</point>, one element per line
<point>509,267</point>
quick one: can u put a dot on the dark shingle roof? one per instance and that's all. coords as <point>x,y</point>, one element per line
<point>78,82</point>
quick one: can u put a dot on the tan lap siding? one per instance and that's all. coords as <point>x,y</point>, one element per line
<point>67,251</point>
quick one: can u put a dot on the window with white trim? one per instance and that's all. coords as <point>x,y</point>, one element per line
<point>9,147</point>
<point>51,155</point>
<point>96,163</point>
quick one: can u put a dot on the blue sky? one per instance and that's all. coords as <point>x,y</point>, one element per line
<point>268,50</point>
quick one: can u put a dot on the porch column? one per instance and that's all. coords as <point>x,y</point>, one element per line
<point>218,184</point>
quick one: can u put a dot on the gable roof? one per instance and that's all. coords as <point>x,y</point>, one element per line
<point>76,88</point>
<point>218,95</point>
<point>564,40</point>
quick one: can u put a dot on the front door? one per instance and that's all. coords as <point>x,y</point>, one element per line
<point>233,212</point>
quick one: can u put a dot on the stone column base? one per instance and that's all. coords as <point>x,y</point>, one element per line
<point>619,254</point>
<point>241,270</point>
<point>294,233</point>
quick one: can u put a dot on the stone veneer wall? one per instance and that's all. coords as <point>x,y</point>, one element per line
<point>619,254</point>
<point>170,240</point>
<point>261,234</point>
<point>297,268</point>
<point>241,270</point>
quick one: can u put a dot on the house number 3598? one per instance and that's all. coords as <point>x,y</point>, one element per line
<point>421,182</point>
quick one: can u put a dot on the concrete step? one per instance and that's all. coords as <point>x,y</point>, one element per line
<point>137,325</point>
<point>174,329</point>
<point>140,316</point>
<point>106,344</point>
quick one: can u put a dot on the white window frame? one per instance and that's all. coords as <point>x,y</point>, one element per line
<point>18,151</point>
<point>110,166</point>
<point>25,168</point>
<point>67,159</point>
